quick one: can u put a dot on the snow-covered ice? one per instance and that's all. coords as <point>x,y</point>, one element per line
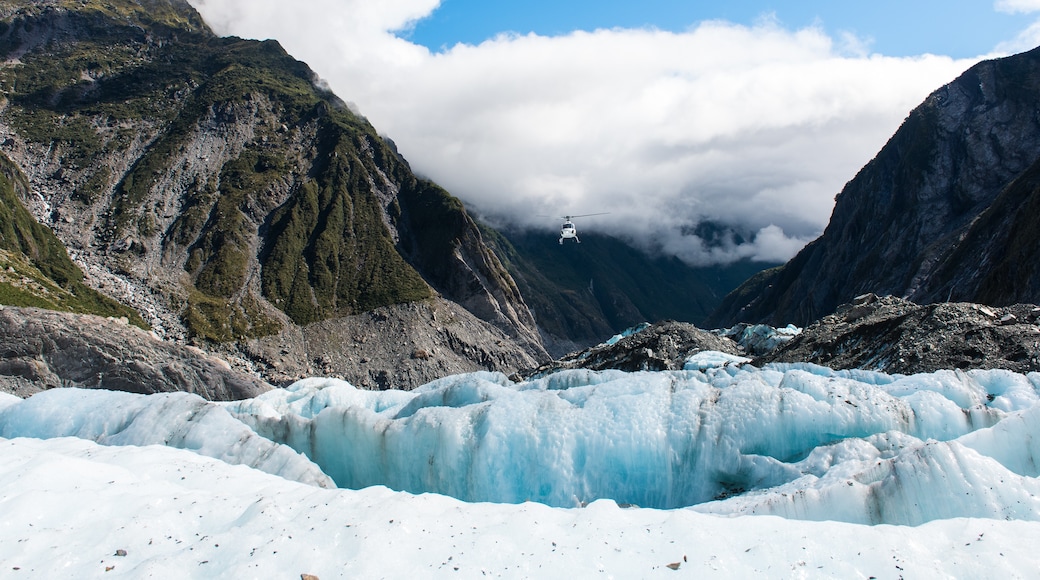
<point>70,505</point>
<point>710,359</point>
<point>178,420</point>
<point>794,470</point>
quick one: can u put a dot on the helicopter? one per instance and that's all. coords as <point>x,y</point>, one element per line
<point>568,231</point>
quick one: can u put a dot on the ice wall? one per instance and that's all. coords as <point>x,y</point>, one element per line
<point>179,420</point>
<point>794,440</point>
<point>665,439</point>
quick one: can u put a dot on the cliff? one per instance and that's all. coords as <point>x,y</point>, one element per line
<point>940,214</point>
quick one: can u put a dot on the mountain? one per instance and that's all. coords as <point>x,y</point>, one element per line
<point>945,211</point>
<point>581,294</point>
<point>214,186</point>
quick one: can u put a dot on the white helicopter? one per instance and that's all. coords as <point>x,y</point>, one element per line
<point>568,231</point>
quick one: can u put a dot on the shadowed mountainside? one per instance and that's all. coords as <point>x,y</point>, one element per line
<point>944,212</point>
<point>582,293</point>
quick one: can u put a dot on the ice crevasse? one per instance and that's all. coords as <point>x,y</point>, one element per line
<point>799,440</point>
<point>794,440</point>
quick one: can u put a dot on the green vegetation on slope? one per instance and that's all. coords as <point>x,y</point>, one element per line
<point>170,14</point>
<point>330,251</point>
<point>136,80</point>
<point>35,270</point>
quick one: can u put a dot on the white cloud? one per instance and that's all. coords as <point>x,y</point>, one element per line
<point>1028,38</point>
<point>756,127</point>
<point>1025,40</point>
<point>1017,6</point>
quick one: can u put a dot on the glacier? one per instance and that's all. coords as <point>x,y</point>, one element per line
<point>179,420</point>
<point>667,439</point>
<point>74,509</point>
<point>727,439</point>
<point>721,447</point>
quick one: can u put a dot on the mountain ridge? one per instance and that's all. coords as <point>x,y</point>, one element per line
<point>899,222</point>
<point>215,186</point>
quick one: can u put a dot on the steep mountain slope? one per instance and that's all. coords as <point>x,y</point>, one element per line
<point>1006,239</point>
<point>214,186</point>
<point>937,215</point>
<point>35,269</point>
<point>583,293</point>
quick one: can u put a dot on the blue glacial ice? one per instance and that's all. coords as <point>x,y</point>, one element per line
<point>626,333</point>
<point>665,439</point>
<point>795,440</point>
<point>758,339</point>
<point>179,420</point>
<point>709,359</point>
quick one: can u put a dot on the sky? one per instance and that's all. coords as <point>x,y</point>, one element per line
<point>751,115</point>
<point>957,28</point>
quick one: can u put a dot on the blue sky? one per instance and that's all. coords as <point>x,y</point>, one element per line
<point>957,28</point>
<point>748,114</point>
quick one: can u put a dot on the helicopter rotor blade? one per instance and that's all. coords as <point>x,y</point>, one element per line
<point>584,215</point>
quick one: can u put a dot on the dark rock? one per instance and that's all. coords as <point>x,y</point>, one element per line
<point>659,347</point>
<point>43,349</point>
<point>397,347</point>
<point>897,336</point>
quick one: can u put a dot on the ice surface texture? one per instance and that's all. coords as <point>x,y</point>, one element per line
<point>179,420</point>
<point>70,506</point>
<point>796,440</point>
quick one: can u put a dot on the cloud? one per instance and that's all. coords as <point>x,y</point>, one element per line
<point>1017,6</point>
<point>1025,40</point>
<point>754,128</point>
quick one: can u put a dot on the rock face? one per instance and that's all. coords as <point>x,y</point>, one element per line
<point>897,336</point>
<point>35,269</point>
<point>214,186</point>
<point>658,347</point>
<point>392,347</point>
<point>43,349</point>
<point>940,214</point>
<point>887,334</point>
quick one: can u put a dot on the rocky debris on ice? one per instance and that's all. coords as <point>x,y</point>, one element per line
<point>886,334</point>
<point>43,349</point>
<point>662,346</point>
<point>392,347</point>
<point>894,335</point>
